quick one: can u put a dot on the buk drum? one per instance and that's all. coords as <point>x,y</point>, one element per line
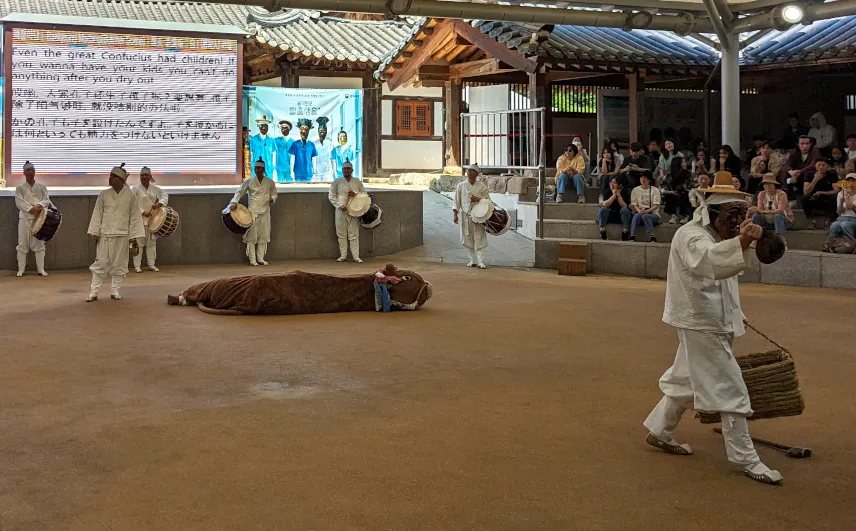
<point>482,210</point>
<point>498,223</point>
<point>359,204</point>
<point>238,220</point>
<point>46,224</point>
<point>163,222</point>
<point>372,217</point>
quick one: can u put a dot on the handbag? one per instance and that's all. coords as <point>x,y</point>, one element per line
<point>842,245</point>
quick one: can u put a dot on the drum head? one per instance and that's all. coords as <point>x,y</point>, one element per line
<point>359,204</point>
<point>38,221</point>
<point>156,219</point>
<point>481,211</point>
<point>372,217</point>
<point>242,216</point>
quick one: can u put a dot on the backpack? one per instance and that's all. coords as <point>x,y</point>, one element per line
<point>842,245</point>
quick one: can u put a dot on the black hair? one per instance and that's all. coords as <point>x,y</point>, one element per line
<point>851,135</point>
<point>637,146</point>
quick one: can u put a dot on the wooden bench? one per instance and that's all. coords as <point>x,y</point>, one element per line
<point>573,258</point>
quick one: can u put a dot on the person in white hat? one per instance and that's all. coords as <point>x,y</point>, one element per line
<point>30,198</point>
<point>347,226</point>
<point>116,221</point>
<point>151,198</point>
<point>262,194</point>
<point>703,304</point>
<point>263,145</point>
<point>473,235</point>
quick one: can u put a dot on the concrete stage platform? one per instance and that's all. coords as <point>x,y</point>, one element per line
<point>302,226</point>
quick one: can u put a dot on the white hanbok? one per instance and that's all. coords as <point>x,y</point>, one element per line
<point>116,220</point>
<point>473,235</point>
<point>26,197</point>
<point>146,198</point>
<point>347,226</point>
<point>261,195</point>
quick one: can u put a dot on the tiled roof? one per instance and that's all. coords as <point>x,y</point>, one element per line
<point>412,32</point>
<point>602,44</point>
<point>306,33</point>
<point>824,39</point>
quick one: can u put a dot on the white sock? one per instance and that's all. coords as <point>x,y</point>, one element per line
<point>261,249</point>
<point>40,261</point>
<point>22,261</point>
<point>343,248</point>
<point>355,249</point>
<point>95,287</point>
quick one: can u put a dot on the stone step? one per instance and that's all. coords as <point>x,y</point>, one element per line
<point>807,240</point>
<point>376,180</point>
<point>650,260</point>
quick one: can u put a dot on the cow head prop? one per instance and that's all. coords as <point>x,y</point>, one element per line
<point>406,289</point>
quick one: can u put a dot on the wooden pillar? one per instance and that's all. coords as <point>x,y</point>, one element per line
<point>371,124</point>
<point>288,77</point>
<point>454,96</point>
<point>540,96</point>
<point>633,108</point>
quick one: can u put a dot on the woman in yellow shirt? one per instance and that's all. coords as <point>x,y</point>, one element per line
<point>570,166</point>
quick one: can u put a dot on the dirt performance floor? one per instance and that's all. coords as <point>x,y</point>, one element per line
<point>512,401</point>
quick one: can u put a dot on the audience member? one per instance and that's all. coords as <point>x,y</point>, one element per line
<point>702,162</point>
<point>730,162</point>
<point>838,160</point>
<point>664,165</point>
<point>800,164</point>
<point>702,181</point>
<point>676,191</point>
<point>636,165</point>
<point>851,146</point>
<point>616,150</point>
<point>654,152</point>
<point>819,191</point>
<point>845,225</point>
<point>570,167</point>
<point>773,211</point>
<point>645,200</point>
<point>792,132</point>
<point>577,141</point>
<point>823,133</point>
<point>736,183</point>
<point>766,164</point>
<point>615,207</point>
<point>606,170</point>
<point>757,142</point>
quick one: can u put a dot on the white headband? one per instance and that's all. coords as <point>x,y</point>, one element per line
<point>703,211</point>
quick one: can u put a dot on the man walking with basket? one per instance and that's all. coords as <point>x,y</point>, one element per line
<point>703,304</point>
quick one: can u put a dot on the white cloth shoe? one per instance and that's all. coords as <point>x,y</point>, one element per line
<point>138,270</point>
<point>673,220</point>
<point>262,262</point>
<point>341,259</point>
<point>43,273</point>
<point>153,268</point>
<point>358,260</point>
<point>20,274</point>
<point>91,297</point>
<point>670,445</point>
<point>761,472</point>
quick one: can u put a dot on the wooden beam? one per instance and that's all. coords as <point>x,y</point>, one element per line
<point>434,69</point>
<point>432,84</point>
<point>484,67</point>
<point>371,124</point>
<point>633,108</point>
<point>566,76</point>
<point>460,41</point>
<point>411,66</point>
<point>497,50</point>
<point>432,77</point>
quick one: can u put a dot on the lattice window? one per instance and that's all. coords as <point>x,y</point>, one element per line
<point>413,118</point>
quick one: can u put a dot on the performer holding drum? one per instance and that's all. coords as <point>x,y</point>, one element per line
<point>473,236</point>
<point>262,194</point>
<point>151,199</point>
<point>344,192</point>
<point>33,202</point>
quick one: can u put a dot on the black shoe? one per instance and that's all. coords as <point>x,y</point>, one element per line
<point>653,239</point>
<point>632,237</point>
<point>602,234</point>
<point>625,235</point>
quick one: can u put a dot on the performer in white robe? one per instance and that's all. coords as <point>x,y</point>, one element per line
<point>150,198</point>
<point>473,235</point>
<point>262,194</point>
<point>703,304</point>
<point>347,226</point>
<point>116,220</point>
<point>30,198</point>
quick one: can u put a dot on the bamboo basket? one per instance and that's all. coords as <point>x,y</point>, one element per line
<point>772,381</point>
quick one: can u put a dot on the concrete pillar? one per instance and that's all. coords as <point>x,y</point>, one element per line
<point>633,106</point>
<point>730,69</point>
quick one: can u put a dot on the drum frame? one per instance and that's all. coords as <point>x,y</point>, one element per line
<point>169,223</point>
<point>45,238</point>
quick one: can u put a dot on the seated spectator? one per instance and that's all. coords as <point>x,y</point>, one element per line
<point>702,181</point>
<point>799,166</point>
<point>851,146</point>
<point>819,191</point>
<point>792,132</point>
<point>582,151</point>
<point>758,141</point>
<point>838,160</point>
<point>730,162</point>
<point>616,150</point>
<point>570,166</point>
<point>773,210</point>
<point>654,152</point>
<point>845,225</point>
<point>736,183</point>
<point>702,162</point>
<point>645,200</point>
<point>823,133</point>
<point>766,164</point>
<point>664,164</point>
<point>606,170</point>
<point>615,207</point>
<point>636,165</point>
<point>675,191</point>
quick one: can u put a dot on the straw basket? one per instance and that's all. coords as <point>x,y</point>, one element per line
<point>771,378</point>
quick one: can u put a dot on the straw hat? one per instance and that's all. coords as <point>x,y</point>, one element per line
<point>769,179</point>
<point>722,184</point>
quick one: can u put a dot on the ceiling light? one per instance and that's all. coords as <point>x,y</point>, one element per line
<point>792,14</point>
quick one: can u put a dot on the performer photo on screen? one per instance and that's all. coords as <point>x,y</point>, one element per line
<point>341,153</point>
<point>150,198</point>
<point>261,145</point>
<point>304,151</point>
<point>323,168</point>
<point>31,198</point>
<point>262,194</point>
<point>283,157</point>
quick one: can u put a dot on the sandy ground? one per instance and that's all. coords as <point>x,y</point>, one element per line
<point>517,409</point>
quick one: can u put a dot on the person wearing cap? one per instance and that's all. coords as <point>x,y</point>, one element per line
<point>341,153</point>
<point>703,304</point>
<point>150,198</point>
<point>30,198</point>
<point>323,165</point>
<point>303,153</point>
<point>282,170</point>
<point>116,221</point>
<point>262,194</point>
<point>845,225</point>
<point>347,226</point>
<point>773,210</point>
<point>473,235</point>
<point>262,145</point>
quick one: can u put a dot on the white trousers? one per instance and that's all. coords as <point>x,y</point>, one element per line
<point>26,243</point>
<point>473,235</point>
<point>149,245</point>
<point>347,230</point>
<point>111,258</point>
<point>260,229</point>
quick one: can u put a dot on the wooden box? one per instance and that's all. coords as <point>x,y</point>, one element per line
<point>573,258</point>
